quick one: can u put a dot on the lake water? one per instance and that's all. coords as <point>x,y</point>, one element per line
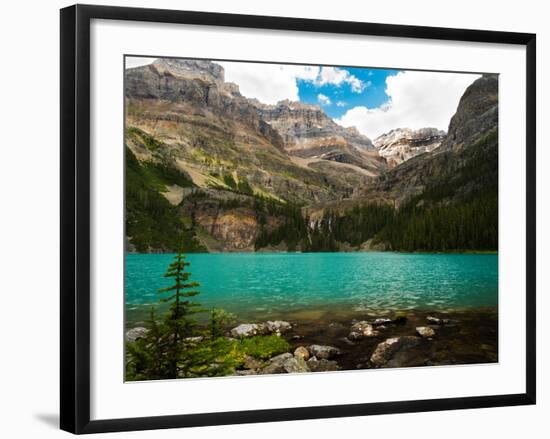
<point>245,283</point>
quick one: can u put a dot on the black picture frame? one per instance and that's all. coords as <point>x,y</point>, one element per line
<point>75,217</point>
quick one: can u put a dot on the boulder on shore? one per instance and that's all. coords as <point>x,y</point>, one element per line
<point>301,352</point>
<point>295,365</point>
<point>322,365</point>
<point>323,352</point>
<point>386,353</point>
<point>138,332</point>
<point>284,363</point>
<point>246,330</point>
<point>276,364</point>
<point>277,327</point>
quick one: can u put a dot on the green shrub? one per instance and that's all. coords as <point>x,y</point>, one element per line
<point>264,347</point>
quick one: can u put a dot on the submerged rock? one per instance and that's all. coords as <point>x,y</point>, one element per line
<point>301,352</point>
<point>322,365</point>
<point>361,330</point>
<point>382,321</point>
<point>425,331</point>
<point>385,352</point>
<point>437,321</point>
<point>323,352</point>
<point>399,318</point>
<point>138,332</point>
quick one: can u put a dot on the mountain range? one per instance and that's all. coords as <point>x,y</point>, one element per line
<point>216,171</point>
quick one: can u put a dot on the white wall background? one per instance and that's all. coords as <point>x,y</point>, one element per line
<point>29,218</point>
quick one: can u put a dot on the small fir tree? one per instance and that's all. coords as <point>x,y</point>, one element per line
<point>179,320</point>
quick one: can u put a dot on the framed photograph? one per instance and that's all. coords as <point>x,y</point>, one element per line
<point>268,218</point>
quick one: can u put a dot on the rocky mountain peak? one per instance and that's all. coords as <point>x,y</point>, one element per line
<point>190,68</point>
<point>481,99</point>
<point>401,144</point>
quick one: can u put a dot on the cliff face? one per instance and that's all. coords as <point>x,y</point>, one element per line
<point>196,84</point>
<point>467,157</point>
<point>227,172</point>
<point>309,133</point>
<point>182,117</point>
<point>402,144</point>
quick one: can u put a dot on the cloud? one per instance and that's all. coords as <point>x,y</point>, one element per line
<point>336,76</point>
<point>416,100</point>
<point>323,99</point>
<point>137,61</point>
<point>269,83</point>
<point>341,104</point>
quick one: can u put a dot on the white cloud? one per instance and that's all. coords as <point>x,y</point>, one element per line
<point>269,83</point>
<point>137,61</point>
<point>341,104</point>
<point>336,76</point>
<point>323,99</point>
<point>417,100</point>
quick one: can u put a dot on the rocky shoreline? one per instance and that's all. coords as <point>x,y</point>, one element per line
<point>370,341</point>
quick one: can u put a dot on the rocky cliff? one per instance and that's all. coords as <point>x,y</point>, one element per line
<point>402,144</point>
<point>467,158</point>
<point>183,119</point>
<point>228,173</point>
<point>209,130</point>
<point>309,133</point>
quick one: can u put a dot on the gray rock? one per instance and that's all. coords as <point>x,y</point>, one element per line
<point>382,321</point>
<point>425,331</point>
<point>388,349</point>
<point>323,352</point>
<point>252,363</point>
<point>437,321</point>
<point>246,330</point>
<point>276,364</point>
<point>138,332</point>
<point>322,365</point>
<point>301,352</point>
<point>278,326</point>
<point>295,365</point>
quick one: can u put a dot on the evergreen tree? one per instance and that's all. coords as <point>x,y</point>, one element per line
<point>147,355</point>
<point>179,320</point>
<point>219,320</point>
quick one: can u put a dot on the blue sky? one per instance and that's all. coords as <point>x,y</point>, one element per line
<point>342,97</point>
<point>373,100</point>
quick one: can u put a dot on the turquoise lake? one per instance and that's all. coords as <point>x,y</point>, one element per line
<point>245,283</point>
